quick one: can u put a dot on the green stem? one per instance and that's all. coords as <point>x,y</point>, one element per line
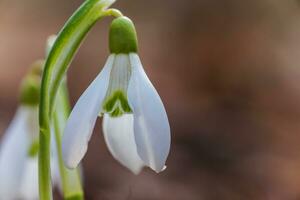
<point>57,62</point>
<point>44,164</point>
<point>71,183</point>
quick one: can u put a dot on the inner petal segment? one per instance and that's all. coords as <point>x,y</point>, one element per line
<point>115,102</point>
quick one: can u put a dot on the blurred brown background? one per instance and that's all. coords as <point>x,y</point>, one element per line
<point>227,71</point>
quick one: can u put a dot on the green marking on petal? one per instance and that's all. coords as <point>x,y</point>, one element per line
<point>122,36</point>
<point>116,104</point>
<point>33,149</point>
<point>75,197</point>
<point>117,112</point>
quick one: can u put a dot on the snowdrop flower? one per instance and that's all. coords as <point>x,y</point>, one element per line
<point>18,170</point>
<point>135,123</point>
<point>19,145</point>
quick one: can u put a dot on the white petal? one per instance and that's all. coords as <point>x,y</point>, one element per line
<point>13,154</point>
<point>119,137</point>
<point>33,122</point>
<point>151,125</point>
<point>82,120</point>
<point>29,188</point>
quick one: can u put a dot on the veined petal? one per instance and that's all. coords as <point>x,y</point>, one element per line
<point>119,137</point>
<point>13,154</point>
<point>82,120</point>
<point>115,102</point>
<point>29,188</point>
<point>151,125</point>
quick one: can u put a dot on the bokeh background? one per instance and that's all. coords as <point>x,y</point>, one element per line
<point>227,71</point>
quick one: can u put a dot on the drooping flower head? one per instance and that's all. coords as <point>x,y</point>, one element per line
<point>135,123</point>
<point>19,144</point>
<point>18,161</point>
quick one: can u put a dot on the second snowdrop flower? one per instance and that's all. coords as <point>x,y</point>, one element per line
<point>135,123</point>
<point>19,145</point>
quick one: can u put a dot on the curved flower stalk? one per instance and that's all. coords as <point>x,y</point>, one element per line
<point>70,183</point>
<point>57,62</point>
<point>19,145</point>
<point>135,123</point>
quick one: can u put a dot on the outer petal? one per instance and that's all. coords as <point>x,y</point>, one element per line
<point>151,125</point>
<point>13,154</point>
<point>29,188</point>
<point>119,137</point>
<point>82,120</point>
<point>33,123</point>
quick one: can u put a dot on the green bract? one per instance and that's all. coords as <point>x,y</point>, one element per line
<point>122,36</point>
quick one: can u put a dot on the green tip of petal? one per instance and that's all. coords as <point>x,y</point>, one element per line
<point>122,36</point>
<point>78,196</point>
<point>33,149</point>
<point>116,105</point>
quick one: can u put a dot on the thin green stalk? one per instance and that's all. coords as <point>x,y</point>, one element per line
<point>44,164</point>
<point>57,62</point>
<point>71,182</point>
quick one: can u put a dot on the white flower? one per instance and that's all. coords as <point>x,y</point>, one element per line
<point>19,170</point>
<point>135,123</point>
